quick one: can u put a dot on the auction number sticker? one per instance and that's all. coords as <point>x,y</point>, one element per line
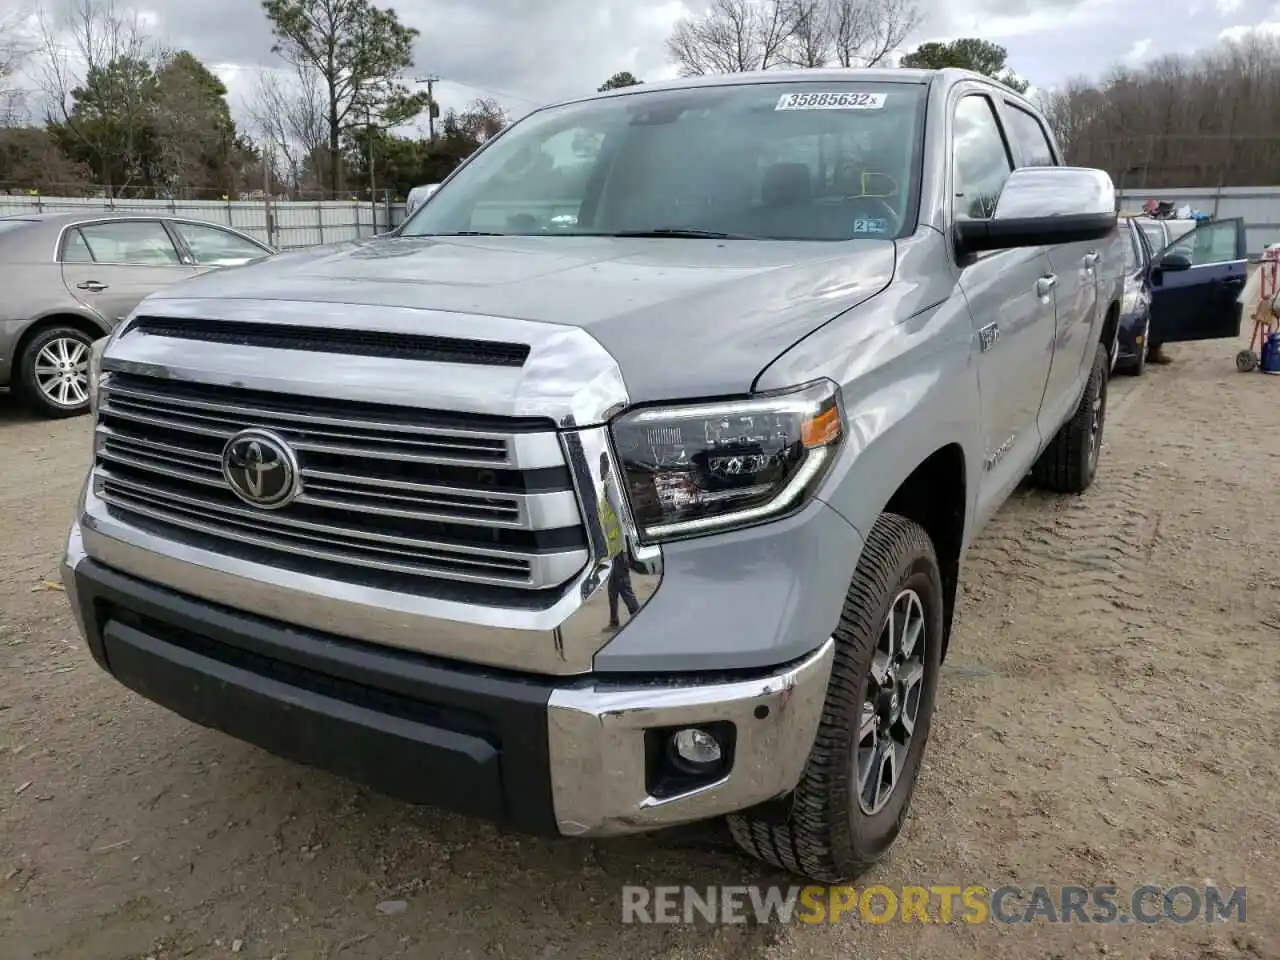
<point>831,101</point>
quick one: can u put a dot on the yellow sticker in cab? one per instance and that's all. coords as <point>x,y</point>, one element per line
<point>830,101</point>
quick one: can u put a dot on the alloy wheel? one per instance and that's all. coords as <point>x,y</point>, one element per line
<point>891,703</point>
<point>62,372</point>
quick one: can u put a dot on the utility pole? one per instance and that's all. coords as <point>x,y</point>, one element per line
<point>432,110</point>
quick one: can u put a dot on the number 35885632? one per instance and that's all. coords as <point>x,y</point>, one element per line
<point>830,101</point>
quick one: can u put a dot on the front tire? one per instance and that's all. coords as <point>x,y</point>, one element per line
<point>1139,366</point>
<point>854,793</point>
<point>1070,462</point>
<point>53,373</point>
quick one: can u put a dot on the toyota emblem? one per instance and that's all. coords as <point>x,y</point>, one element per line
<point>261,469</point>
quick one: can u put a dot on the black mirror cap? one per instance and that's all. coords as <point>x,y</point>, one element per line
<point>1174,262</point>
<point>977,236</point>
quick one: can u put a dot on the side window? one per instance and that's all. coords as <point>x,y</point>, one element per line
<point>212,246</point>
<point>74,249</point>
<point>1212,243</point>
<point>139,242</point>
<point>980,163</point>
<point>1026,132</point>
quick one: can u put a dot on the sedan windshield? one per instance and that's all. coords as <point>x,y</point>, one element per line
<point>778,161</point>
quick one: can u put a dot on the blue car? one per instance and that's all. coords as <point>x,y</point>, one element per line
<point>1179,287</point>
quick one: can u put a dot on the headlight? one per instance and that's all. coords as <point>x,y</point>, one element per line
<point>706,467</point>
<point>95,370</point>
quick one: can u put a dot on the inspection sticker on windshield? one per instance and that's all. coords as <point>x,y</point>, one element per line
<point>830,101</point>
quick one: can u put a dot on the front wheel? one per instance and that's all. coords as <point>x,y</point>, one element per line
<point>1139,366</point>
<point>1070,461</point>
<point>853,796</point>
<point>53,372</point>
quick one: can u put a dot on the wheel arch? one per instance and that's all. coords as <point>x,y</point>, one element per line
<point>89,327</point>
<point>935,495</point>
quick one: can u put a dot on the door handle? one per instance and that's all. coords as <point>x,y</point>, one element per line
<point>91,285</point>
<point>1045,285</point>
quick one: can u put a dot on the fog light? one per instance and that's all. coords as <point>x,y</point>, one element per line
<point>696,747</point>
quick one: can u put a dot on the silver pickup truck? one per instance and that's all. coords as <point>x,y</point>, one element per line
<point>629,482</point>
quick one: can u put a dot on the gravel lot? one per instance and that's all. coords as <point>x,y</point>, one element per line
<point>1110,713</point>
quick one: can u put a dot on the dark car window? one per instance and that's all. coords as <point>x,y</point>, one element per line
<point>214,246</point>
<point>1026,132</point>
<point>141,242</point>
<point>834,160</point>
<point>981,158</point>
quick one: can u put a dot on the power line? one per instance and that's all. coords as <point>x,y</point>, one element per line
<point>492,91</point>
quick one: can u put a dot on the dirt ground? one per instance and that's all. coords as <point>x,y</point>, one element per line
<point>1109,713</point>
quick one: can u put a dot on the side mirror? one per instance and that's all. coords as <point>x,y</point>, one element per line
<point>1044,206</point>
<point>1174,262</point>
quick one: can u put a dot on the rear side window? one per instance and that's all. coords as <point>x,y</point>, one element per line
<point>75,250</point>
<point>1026,132</point>
<point>139,242</point>
<point>981,161</point>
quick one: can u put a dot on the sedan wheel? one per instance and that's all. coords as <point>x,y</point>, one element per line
<point>54,372</point>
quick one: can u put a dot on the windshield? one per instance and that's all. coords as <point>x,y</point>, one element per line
<point>794,161</point>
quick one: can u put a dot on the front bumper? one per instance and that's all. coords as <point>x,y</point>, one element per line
<point>540,755</point>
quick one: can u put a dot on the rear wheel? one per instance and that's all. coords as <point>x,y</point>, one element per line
<point>53,372</point>
<point>853,796</point>
<point>1070,462</point>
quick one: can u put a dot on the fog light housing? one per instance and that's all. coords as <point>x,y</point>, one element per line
<point>682,759</point>
<point>695,748</point>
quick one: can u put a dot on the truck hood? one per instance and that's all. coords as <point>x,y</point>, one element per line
<point>682,317</point>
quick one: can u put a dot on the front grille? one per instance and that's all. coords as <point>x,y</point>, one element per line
<point>384,490</point>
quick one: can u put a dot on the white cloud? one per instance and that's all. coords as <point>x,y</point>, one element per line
<point>1227,7</point>
<point>1138,51</point>
<point>1271,27</point>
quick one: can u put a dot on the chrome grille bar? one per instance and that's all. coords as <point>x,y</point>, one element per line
<point>439,502</point>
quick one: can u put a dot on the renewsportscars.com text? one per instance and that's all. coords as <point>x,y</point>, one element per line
<point>973,904</point>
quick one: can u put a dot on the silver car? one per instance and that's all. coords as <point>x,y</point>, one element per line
<point>69,277</point>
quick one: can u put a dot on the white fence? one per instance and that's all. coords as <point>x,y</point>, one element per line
<point>292,223</point>
<point>305,223</point>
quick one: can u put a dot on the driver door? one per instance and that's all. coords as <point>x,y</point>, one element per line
<point>1195,282</point>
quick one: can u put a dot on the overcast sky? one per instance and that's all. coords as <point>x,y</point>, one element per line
<point>529,52</point>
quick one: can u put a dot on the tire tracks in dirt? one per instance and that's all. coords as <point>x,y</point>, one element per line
<point>1081,555</point>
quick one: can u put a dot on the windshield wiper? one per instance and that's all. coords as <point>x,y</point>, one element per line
<point>463,233</point>
<point>680,232</point>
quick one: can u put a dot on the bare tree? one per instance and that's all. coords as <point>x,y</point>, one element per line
<point>290,112</point>
<point>1203,121</point>
<point>864,32</point>
<point>85,46</point>
<point>16,47</point>
<point>735,36</point>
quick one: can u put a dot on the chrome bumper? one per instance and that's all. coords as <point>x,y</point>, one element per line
<point>598,763</point>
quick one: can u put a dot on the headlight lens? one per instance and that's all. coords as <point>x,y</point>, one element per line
<point>706,467</point>
<point>95,370</point>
